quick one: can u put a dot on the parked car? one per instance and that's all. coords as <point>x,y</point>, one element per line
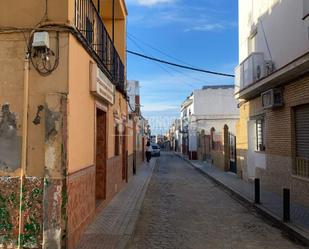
<point>156,151</point>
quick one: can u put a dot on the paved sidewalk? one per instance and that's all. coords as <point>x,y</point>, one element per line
<point>271,203</point>
<point>114,226</point>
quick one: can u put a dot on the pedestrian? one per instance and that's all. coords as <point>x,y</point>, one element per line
<point>148,151</point>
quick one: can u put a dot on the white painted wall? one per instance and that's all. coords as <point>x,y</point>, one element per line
<point>217,102</point>
<point>280,22</point>
<point>254,159</point>
<point>212,107</point>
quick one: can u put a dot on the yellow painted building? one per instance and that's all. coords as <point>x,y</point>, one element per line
<point>63,133</point>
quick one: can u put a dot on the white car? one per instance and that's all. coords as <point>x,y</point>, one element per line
<point>156,151</point>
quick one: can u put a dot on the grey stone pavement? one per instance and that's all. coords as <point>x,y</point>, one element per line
<point>270,202</point>
<point>114,226</point>
<point>184,209</point>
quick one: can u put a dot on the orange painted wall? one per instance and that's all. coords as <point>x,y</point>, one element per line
<point>81,109</point>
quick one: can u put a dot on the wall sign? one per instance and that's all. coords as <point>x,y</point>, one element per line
<point>100,85</point>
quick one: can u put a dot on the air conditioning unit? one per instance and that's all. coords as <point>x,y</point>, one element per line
<point>252,69</point>
<point>272,98</point>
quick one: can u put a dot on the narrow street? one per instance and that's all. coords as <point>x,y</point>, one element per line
<point>183,209</point>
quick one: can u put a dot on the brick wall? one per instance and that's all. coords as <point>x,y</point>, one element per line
<point>279,121</point>
<point>279,141</point>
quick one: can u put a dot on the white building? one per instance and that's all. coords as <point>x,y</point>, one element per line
<point>207,108</point>
<point>272,85</point>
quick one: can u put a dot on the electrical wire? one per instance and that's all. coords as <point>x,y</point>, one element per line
<point>158,64</point>
<point>158,50</point>
<point>178,65</point>
<point>131,37</point>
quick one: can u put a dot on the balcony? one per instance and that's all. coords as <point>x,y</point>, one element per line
<point>256,75</point>
<point>95,37</point>
<point>251,70</point>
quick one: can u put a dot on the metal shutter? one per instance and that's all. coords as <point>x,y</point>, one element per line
<point>302,131</point>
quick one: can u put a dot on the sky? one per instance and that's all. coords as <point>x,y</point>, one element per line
<point>199,33</point>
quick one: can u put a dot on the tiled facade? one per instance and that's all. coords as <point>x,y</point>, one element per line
<point>81,203</point>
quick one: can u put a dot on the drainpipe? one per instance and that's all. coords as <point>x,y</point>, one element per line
<point>24,141</point>
<point>113,23</point>
<point>99,7</point>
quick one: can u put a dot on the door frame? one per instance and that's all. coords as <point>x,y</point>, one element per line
<point>103,108</point>
<point>232,154</point>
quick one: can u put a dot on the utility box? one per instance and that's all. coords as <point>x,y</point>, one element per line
<point>40,40</point>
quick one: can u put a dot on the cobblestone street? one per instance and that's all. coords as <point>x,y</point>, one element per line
<point>183,209</point>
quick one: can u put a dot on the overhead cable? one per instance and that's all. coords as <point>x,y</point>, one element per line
<point>178,65</point>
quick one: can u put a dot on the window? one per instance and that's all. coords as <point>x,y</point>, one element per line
<point>260,134</point>
<point>117,142</point>
<point>302,140</point>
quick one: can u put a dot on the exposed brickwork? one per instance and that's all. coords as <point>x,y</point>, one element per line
<point>279,122</point>
<point>279,140</point>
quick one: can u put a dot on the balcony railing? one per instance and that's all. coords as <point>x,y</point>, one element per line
<point>94,34</point>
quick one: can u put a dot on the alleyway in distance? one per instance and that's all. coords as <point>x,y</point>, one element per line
<point>183,209</point>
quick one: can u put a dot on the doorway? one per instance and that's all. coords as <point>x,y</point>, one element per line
<point>101,143</point>
<point>233,159</point>
<point>124,156</point>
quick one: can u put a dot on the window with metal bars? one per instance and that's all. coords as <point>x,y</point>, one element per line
<point>260,134</point>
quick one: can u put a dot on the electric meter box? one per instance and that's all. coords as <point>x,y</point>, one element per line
<point>40,40</point>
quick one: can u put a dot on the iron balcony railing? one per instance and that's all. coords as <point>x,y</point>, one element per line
<point>94,34</point>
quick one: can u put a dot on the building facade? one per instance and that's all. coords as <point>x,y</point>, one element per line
<point>63,138</point>
<point>137,141</point>
<point>207,111</point>
<point>272,87</point>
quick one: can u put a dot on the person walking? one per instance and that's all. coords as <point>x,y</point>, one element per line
<point>148,151</point>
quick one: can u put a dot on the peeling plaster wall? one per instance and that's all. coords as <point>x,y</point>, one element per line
<point>44,189</point>
<point>10,142</point>
<point>12,53</point>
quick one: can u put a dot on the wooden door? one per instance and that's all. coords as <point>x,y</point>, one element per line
<point>101,155</point>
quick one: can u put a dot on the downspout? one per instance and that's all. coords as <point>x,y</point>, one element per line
<point>113,24</point>
<point>24,141</point>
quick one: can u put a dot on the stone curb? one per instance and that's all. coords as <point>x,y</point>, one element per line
<point>292,230</point>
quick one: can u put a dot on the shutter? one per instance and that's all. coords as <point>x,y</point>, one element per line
<point>302,131</point>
